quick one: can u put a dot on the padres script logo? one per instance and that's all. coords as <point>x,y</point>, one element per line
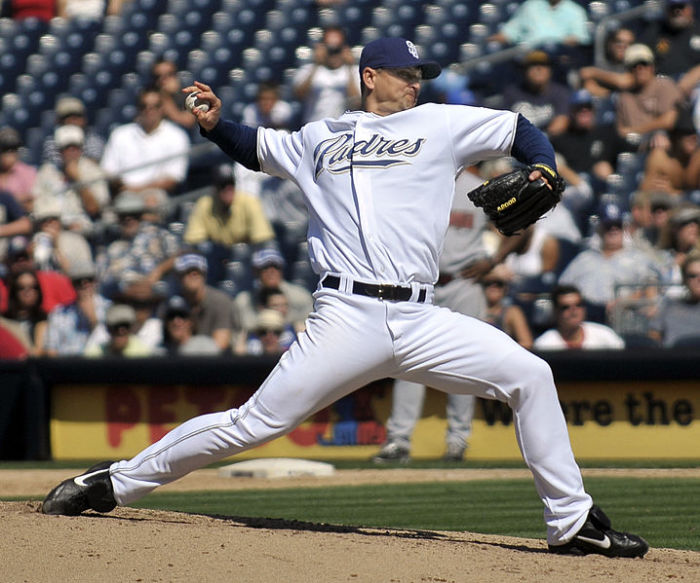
<point>336,154</point>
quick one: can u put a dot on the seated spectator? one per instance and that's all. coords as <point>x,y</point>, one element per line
<point>609,75</point>
<point>328,86</point>
<point>226,217</point>
<point>667,168</point>
<point>178,331</point>
<point>53,247</point>
<point>587,146</point>
<point>268,335</point>
<point>77,183</point>
<point>660,206</point>
<point>571,330</point>
<point>143,254</point>
<point>611,271</point>
<point>649,107</point>
<point>149,155</point>
<point>71,326</point>
<point>501,312</point>
<point>640,229</point>
<point>268,266</point>
<point>673,39</point>
<point>268,110</point>
<point>24,307</point>
<point>273,298</point>
<point>677,240</point>
<point>214,312</point>
<point>559,22</point>
<point>13,221</point>
<point>537,97</point>
<point>164,77</point>
<point>119,320</point>
<point>56,287</point>
<point>678,319</point>
<point>71,111</point>
<point>16,177</point>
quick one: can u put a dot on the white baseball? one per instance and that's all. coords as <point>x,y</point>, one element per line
<point>192,101</point>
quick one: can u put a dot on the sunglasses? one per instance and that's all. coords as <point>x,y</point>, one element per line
<point>119,326</point>
<point>82,281</point>
<point>495,283</point>
<point>27,287</point>
<point>565,307</point>
<point>263,331</point>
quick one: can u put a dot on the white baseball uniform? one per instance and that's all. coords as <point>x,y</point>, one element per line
<point>463,245</point>
<point>379,192</point>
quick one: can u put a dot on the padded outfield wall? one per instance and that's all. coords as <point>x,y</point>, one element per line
<point>642,404</point>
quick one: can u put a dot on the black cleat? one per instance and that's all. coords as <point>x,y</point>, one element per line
<point>597,536</point>
<point>89,491</point>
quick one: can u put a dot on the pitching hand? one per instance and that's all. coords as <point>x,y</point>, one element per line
<point>206,119</point>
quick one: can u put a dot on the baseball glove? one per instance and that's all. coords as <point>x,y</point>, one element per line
<point>513,203</point>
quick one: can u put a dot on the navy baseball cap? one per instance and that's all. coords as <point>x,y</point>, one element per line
<point>396,53</point>
<point>580,97</point>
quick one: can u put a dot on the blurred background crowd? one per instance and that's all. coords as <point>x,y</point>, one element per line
<point>124,232</point>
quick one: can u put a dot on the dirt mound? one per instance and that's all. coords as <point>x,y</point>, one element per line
<point>146,545</point>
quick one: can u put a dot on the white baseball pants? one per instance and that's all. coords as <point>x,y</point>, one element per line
<point>351,340</point>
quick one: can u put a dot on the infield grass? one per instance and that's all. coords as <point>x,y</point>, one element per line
<point>664,511</point>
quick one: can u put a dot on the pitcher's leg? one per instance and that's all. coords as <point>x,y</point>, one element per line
<point>467,356</point>
<point>316,371</point>
<point>406,406</point>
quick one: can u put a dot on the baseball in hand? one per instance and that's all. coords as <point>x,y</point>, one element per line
<point>193,101</point>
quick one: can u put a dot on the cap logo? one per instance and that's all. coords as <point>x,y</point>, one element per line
<point>412,49</point>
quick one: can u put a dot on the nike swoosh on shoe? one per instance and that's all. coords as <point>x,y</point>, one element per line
<point>80,480</point>
<point>603,543</point>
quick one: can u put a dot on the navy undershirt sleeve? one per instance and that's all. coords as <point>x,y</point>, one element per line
<point>237,141</point>
<point>531,146</point>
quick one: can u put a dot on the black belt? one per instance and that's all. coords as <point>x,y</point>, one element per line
<point>383,292</point>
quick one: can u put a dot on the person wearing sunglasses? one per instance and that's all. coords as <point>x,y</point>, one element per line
<point>120,320</point>
<point>571,330</point>
<point>678,320</point>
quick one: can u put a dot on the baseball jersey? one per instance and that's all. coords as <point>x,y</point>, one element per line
<point>363,176</point>
<point>464,240</point>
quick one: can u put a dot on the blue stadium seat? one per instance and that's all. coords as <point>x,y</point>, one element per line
<point>210,40</point>
<point>222,22</point>
<point>67,62</point>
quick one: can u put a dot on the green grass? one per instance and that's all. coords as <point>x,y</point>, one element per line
<point>664,511</point>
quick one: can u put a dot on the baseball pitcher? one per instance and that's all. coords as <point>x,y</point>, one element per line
<point>378,184</point>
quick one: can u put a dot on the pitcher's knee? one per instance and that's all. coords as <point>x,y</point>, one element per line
<point>533,373</point>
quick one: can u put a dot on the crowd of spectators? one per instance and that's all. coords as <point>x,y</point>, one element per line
<point>102,256</point>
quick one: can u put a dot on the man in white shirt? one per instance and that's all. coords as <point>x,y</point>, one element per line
<point>148,155</point>
<point>572,331</point>
<point>329,85</point>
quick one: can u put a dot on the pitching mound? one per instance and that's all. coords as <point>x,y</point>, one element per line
<point>146,545</point>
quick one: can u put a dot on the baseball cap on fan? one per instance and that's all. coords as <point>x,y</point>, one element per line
<point>396,53</point>
<point>638,54</point>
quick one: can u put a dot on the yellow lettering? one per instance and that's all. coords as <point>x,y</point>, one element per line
<point>506,204</point>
